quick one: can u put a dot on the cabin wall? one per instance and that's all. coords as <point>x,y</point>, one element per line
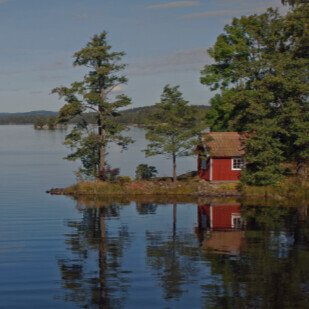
<point>222,170</point>
<point>217,216</point>
<point>222,215</point>
<point>218,169</point>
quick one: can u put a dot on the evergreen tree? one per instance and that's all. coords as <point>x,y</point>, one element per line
<point>172,127</point>
<point>261,68</point>
<point>94,94</point>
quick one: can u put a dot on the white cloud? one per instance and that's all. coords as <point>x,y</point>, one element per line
<point>118,88</point>
<point>182,61</point>
<point>219,13</point>
<point>174,5</point>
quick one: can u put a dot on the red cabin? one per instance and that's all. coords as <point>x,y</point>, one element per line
<point>219,216</point>
<point>220,158</point>
<point>223,223</point>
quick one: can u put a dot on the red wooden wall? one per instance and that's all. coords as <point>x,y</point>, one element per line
<point>218,216</point>
<point>221,170</point>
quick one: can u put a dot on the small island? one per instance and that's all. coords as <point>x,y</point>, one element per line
<point>246,143</point>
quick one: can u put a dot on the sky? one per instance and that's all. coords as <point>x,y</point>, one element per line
<point>165,42</point>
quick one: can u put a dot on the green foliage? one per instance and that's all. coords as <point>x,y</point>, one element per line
<point>261,68</point>
<point>263,154</point>
<point>39,123</point>
<point>94,94</point>
<point>173,127</point>
<point>139,115</point>
<point>111,174</point>
<point>87,150</point>
<point>144,171</point>
<point>52,123</point>
<point>46,122</point>
<point>123,179</point>
<point>26,118</point>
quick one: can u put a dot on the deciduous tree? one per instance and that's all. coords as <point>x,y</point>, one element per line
<point>261,70</point>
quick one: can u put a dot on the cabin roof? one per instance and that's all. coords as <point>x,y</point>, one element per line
<point>224,144</point>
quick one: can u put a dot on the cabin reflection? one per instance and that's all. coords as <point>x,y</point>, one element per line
<point>220,228</point>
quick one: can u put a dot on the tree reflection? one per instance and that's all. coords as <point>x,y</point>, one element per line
<point>93,276</point>
<point>172,258</point>
<point>248,257</point>
<point>146,208</point>
<point>273,270</point>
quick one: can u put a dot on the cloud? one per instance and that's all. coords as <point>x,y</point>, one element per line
<point>182,61</point>
<point>11,89</point>
<point>118,88</point>
<point>35,92</point>
<point>3,1</point>
<point>219,13</point>
<point>174,5</point>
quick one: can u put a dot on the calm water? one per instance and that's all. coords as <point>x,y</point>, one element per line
<point>59,253</point>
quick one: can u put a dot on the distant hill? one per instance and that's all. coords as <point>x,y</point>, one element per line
<point>25,117</point>
<point>32,113</point>
<point>137,115</point>
<point>132,116</point>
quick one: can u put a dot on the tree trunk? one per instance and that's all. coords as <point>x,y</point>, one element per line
<point>103,298</point>
<point>174,219</point>
<point>102,159</point>
<point>174,168</point>
<point>102,138</point>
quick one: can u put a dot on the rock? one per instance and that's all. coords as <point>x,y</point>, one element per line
<point>56,191</point>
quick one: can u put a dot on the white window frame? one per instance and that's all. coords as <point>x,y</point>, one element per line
<point>241,164</point>
<point>236,216</point>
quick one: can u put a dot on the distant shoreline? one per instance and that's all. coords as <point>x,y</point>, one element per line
<point>130,117</point>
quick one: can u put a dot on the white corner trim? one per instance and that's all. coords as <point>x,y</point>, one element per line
<point>210,169</point>
<point>234,216</point>
<point>211,219</point>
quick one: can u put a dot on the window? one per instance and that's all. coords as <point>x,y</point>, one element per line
<point>237,163</point>
<point>236,221</point>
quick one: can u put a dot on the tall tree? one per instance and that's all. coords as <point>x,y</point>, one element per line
<point>95,93</point>
<point>172,127</point>
<point>261,68</point>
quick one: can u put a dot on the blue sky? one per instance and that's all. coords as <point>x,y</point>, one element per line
<point>165,42</point>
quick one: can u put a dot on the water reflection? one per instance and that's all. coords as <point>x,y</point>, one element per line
<point>220,228</point>
<point>171,257</point>
<point>94,275</point>
<point>211,255</point>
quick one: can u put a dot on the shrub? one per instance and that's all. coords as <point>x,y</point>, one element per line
<point>123,179</point>
<point>144,172</point>
<point>110,174</point>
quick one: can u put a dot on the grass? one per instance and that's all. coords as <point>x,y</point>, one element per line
<point>288,191</point>
<point>133,188</point>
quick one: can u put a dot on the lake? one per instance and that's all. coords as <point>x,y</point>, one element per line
<point>56,252</point>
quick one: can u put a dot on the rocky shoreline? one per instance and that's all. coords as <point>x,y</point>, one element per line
<point>196,188</point>
<point>190,189</point>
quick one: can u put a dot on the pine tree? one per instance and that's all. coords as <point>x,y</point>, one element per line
<point>173,127</point>
<point>95,93</point>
